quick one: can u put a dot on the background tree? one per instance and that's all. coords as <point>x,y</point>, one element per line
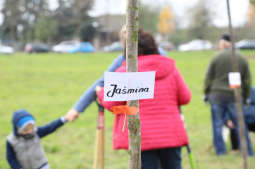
<point>248,30</point>
<point>166,22</point>
<point>83,21</point>
<point>88,30</point>
<point>65,24</point>
<point>200,20</point>
<point>147,11</point>
<point>252,2</point>
<point>73,20</point>
<point>45,29</point>
<point>33,20</point>
<point>251,15</point>
<point>251,19</point>
<point>11,13</point>
<point>20,17</point>
<point>31,14</point>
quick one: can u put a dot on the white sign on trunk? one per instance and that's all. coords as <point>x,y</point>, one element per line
<point>234,79</point>
<point>128,86</point>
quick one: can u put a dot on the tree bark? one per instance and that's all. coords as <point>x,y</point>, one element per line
<point>238,97</point>
<point>134,131</point>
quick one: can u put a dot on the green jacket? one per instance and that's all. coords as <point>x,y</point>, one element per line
<point>216,79</point>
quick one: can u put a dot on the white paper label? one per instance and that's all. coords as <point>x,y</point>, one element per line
<point>128,86</point>
<point>234,79</point>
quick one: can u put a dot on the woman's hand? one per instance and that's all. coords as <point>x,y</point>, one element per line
<point>98,89</point>
<point>72,115</point>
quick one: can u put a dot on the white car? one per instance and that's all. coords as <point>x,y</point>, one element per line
<point>65,46</point>
<point>196,44</point>
<point>115,46</point>
<point>6,49</point>
<point>246,44</point>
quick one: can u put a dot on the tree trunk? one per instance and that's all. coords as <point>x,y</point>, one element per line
<point>238,97</point>
<point>134,132</point>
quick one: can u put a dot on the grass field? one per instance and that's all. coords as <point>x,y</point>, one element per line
<point>49,84</point>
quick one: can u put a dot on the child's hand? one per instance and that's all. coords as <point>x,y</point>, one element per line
<point>230,124</point>
<point>98,89</point>
<point>72,115</point>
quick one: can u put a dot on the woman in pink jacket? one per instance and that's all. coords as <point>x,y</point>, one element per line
<point>162,129</point>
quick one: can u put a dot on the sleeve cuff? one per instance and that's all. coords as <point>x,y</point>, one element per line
<point>63,120</point>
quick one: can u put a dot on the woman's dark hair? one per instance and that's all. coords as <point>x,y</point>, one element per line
<point>146,44</point>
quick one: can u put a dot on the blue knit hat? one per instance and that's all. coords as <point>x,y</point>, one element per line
<point>24,121</point>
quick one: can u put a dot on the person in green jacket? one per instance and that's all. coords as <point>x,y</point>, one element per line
<point>221,96</point>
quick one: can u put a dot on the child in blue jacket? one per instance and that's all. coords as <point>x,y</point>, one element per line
<point>23,148</point>
<point>249,118</point>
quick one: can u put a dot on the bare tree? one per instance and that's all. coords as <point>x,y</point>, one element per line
<point>238,98</point>
<point>134,132</point>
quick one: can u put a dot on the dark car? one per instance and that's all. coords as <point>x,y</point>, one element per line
<point>246,44</point>
<point>37,48</point>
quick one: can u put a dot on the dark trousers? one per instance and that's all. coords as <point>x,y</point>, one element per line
<point>168,158</point>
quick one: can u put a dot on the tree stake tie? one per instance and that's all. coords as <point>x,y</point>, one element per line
<point>132,110</point>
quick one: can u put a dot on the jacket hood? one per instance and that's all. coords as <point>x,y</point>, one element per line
<point>17,115</point>
<point>162,65</point>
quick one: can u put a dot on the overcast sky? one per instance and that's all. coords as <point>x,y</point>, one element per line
<point>238,7</point>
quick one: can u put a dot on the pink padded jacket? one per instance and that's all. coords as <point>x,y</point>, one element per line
<point>162,125</point>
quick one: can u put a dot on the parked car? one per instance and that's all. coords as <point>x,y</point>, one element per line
<point>83,47</point>
<point>6,49</point>
<point>115,46</point>
<point>36,48</point>
<point>167,46</point>
<point>65,46</point>
<point>196,44</point>
<point>246,44</point>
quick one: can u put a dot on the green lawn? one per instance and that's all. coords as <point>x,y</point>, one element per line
<point>49,84</point>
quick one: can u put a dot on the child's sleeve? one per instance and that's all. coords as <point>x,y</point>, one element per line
<point>90,95</point>
<point>49,128</point>
<point>11,157</point>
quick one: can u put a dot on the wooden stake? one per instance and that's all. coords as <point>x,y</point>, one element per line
<point>134,132</point>
<point>238,97</point>
<point>99,145</point>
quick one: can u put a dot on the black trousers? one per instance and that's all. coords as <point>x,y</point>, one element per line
<point>234,139</point>
<point>167,158</point>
